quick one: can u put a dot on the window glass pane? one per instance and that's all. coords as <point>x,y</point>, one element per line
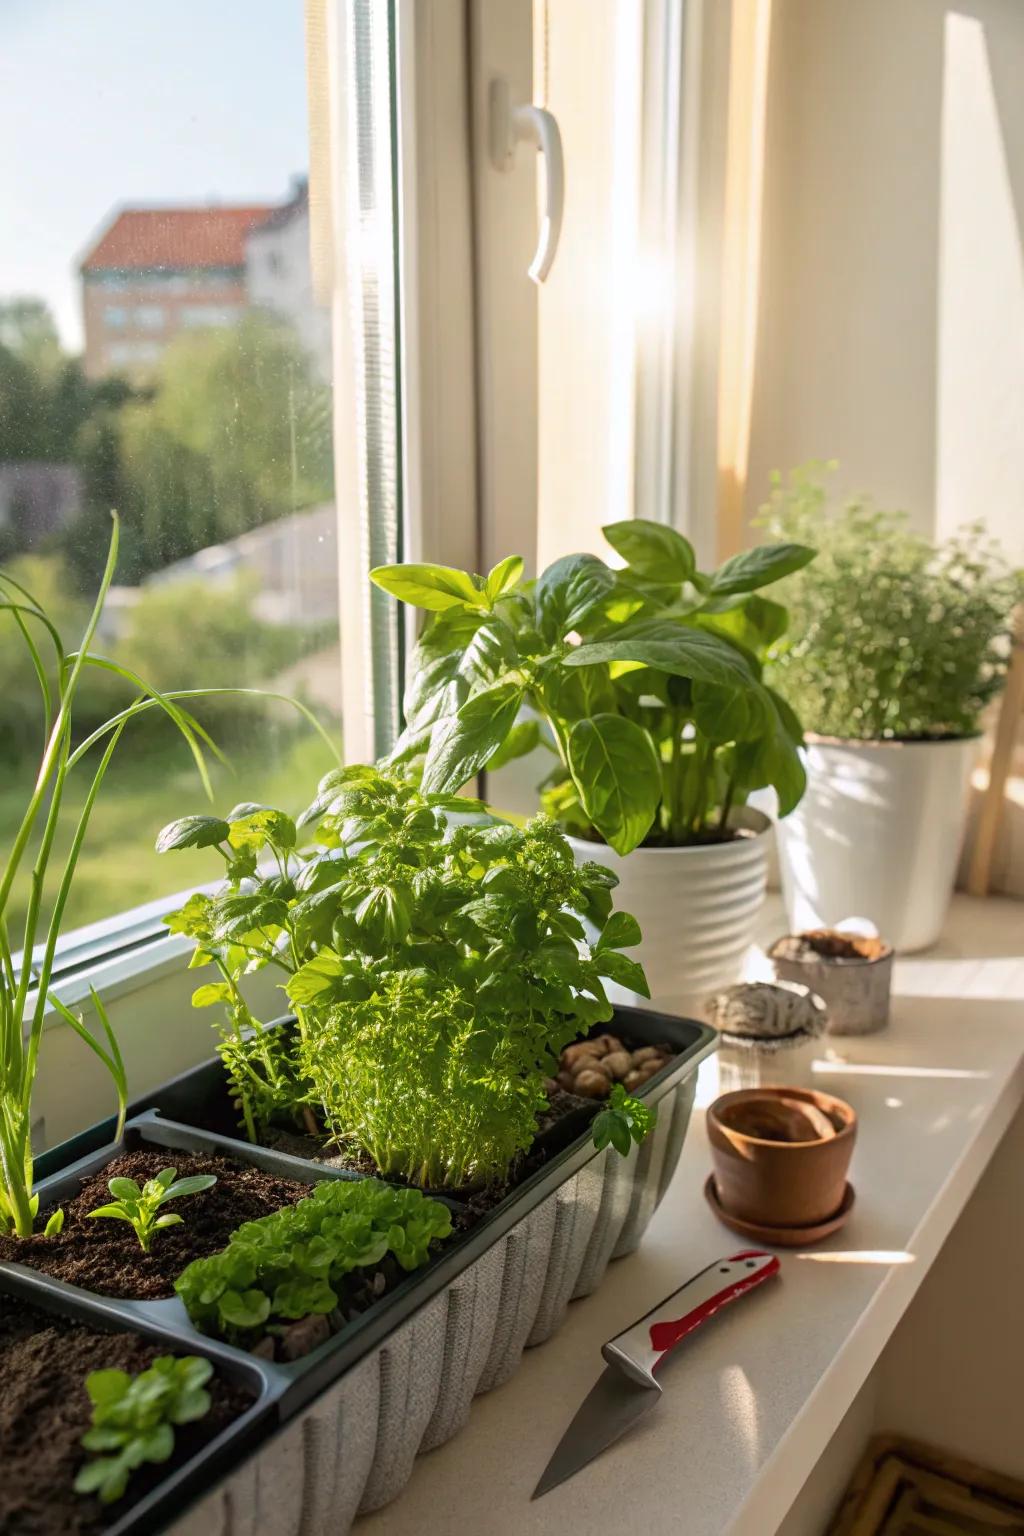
<point>162,352</point>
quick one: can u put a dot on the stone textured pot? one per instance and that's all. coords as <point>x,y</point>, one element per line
<point>768,1033</point>
<point>877,836</point>
<point>852,974</point>
<point>779,1183</point>
<point>697,909</point>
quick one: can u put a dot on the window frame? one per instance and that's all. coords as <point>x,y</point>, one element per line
<point>464,489</point>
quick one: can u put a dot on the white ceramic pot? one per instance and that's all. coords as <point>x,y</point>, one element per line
<point>877,836</point>
<point>697,909</point>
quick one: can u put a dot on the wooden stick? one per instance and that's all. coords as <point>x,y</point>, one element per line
<point>1011,709</point>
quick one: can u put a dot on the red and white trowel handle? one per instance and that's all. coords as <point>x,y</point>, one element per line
<point>640,1349</point>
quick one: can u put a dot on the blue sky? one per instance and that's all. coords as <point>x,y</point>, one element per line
<point>105,102</point>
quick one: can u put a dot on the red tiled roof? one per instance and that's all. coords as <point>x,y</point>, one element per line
<point>175,237</point>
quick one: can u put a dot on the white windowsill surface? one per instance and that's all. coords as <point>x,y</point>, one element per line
<point>752,1400</point>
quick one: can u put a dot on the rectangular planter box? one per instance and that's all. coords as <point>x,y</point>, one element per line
<point>401,1378</point>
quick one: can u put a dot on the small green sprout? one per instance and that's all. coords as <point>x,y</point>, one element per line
<point>134,1417</point>
<point>140,1207</point>
<point>624,1121</point>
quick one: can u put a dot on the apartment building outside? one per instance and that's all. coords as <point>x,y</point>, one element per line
<point>155,272</point>
<point>279,277</point>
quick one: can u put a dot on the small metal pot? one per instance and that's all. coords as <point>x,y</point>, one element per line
<point>850,972</point>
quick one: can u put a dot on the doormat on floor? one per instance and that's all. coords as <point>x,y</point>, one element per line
<point>904,1488</point>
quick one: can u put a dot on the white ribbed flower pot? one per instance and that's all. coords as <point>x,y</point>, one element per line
<point>877,836</point>
<point>697,909</point>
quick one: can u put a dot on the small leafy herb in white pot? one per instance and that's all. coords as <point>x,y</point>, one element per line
<point>895,648</point>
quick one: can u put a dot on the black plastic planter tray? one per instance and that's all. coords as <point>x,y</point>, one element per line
<point>400,1378</point>
<point>208,1465</point>
<point>199,1096</point>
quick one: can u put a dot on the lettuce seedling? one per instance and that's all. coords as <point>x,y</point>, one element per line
<point>141,1207</point>
<point>134,1417</point>
<point>624,1120</point>
<point>291,1264</point>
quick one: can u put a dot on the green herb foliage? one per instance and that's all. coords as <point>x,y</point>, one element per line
<point>292,1264</point>
<point>25,978</point>
<point>142,1207</point>
<point>134,1419</point>
<point>893,638</point>
<point>644,682</point>
<point>623,1121</point>
<point>436,958</point>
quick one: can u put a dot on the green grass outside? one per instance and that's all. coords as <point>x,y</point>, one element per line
<point>118,867</point>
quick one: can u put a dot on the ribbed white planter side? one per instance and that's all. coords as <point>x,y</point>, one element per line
<point>697,909</point>
<point>877,835</point>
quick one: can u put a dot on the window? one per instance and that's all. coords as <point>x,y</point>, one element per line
<point>122,354</point>
<point>149,317</point>
<point>195,316</point>
<point>207,424</point>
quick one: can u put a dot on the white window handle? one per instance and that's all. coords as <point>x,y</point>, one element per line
<point>532,125</point>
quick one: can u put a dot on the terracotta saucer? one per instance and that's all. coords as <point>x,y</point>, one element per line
<point>780,1237</point>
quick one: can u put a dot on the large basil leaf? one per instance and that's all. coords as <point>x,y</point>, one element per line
<point>385,912</point>
<point>313,917</point>
<point>621,931</point>
<point>772,757</point>
<point>235,914</point>
<point>726,714</point>
<point>521,739</point>
<point>621,969</point>
<point>459,651</point>
<point>753,622</point>
<point>318,980</point>
<point>489,654</point>
<point>617,774</point>
<point>790,724</point>
<point>569,592</point>
<point>503,577</point>
<point>579,694</point>
<point>652,549</point>
<point>253,827</point>
<point>462,743</point>
<point>759,567</point>
<point>675,648</point>
<point>435,587</point>
<point>193,832</point>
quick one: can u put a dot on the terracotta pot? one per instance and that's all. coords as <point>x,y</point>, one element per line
<point>779,1183</point>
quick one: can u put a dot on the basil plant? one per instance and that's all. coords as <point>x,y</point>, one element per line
<point>645,683</point>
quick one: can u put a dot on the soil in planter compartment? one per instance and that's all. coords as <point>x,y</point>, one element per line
<point>104,1255</point>
<point>44,1411</point>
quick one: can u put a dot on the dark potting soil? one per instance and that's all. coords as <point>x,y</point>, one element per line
<point>44,1412</point>
<point>103,1255</point>
<point>827,944</point>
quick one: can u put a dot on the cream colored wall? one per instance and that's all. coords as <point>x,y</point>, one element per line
<point>891,332</point>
